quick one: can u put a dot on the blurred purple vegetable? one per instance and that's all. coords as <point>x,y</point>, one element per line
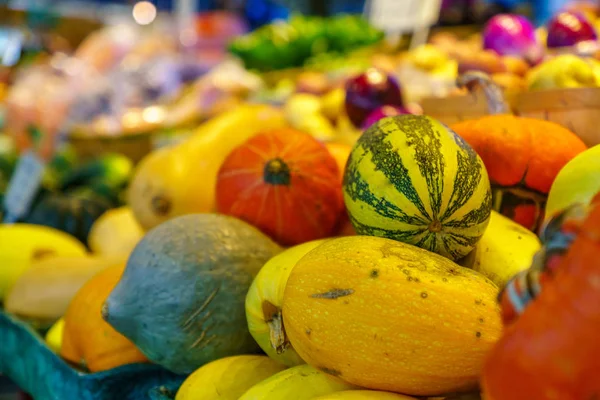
<point>369,91</point>
<point>512,35</point>
<point>382,112</point>
<point>569,29</point>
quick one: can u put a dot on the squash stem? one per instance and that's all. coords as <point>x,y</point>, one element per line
<point>277,172</point>
<point>274,320</point>
<point>476,80</point>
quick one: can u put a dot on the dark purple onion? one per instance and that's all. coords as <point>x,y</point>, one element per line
<point>382,112</point>
<point>512,35</point>
<point>369,91</point>
<point>568,29</point>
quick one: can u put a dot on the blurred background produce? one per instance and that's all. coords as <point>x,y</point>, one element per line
<point>207,166</point>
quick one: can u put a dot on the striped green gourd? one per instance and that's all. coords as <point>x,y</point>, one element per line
<point>412,179</point>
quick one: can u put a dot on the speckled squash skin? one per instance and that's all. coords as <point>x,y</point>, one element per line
<point>386,315</point>
<point>181,297</point>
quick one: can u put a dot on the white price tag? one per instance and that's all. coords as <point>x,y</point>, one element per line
<point>396,17</point>
<point>23,186</point>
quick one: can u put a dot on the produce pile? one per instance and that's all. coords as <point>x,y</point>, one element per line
<point>332,241</point>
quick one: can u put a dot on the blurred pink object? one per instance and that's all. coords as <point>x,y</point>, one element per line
<point>383,112</point>
<point>214,29</point>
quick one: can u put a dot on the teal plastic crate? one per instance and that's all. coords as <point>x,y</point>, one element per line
<point>27,361</point>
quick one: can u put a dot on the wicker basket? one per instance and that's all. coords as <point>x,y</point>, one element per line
<point>134,146</point>
<point>450,110</point>
<point>575,109</point>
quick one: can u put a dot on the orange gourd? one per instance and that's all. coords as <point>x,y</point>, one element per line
<point>552,351</point>
<point>285,183</point>
<point>89,341</point>
<point>522,155</point>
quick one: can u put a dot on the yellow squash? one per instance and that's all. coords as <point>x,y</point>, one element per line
<point>505,249</point>
<point>364,395</point>
<point>227,378</point>
<point>115,233</point>
<point>180,180</point>
<point>386,315</point>
<point>577,182</point>
<point>264,300</point>
<point>302,382</point>
<point>22,244</point>
<point>54,336</point>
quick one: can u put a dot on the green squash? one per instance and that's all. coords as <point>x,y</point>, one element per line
<point>73,198</point>
<point>73,212</point>
<point>412,179</point>
<point>181,297</point>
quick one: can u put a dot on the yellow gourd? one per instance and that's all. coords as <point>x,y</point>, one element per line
<point>264,300</point>
<point>54,336</point>
<point>364,395</point>
<point>386,315</point>
<point>181,179</point>
<point>115,233</point>
<point>302,382</point>
<point>22,244</point>
<point>227,378</point>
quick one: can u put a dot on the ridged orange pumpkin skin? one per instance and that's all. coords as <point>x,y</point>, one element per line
<point>88,340</point>
<point>522,155</point>
<point>284,182</point>
<point>552,350</point>
<point>386,315</point>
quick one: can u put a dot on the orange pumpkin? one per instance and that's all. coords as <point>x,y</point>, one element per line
<point>522,155</point>
<point>88,340</point>
<point>285,183</point>
<point>552,350</point>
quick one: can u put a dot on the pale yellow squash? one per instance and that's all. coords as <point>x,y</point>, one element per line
<point>115,233</point>
<point>302,382</point>
<point>227,378</point>
<point>264,300</point>
<point>364,395</point>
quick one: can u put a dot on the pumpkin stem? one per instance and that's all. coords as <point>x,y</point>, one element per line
<point>274,319</point>
<point>473,80</point>
<point>277,172</point>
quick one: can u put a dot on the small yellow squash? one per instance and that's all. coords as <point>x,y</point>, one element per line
<point>227,378</point>
<point>264,300</point>
<point>302,382</point>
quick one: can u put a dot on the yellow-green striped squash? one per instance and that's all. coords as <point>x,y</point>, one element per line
<point>412,179</point>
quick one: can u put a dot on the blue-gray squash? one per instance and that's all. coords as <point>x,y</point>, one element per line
<point>181,297</point>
